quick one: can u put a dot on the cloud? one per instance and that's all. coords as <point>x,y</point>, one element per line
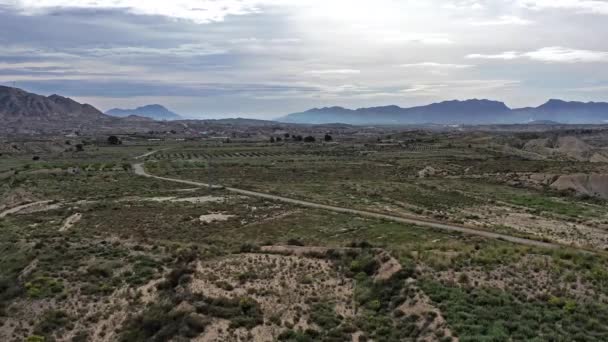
<point>222,55</point>
<point>184,50</point>
<point>581,6</point>
<point>564,55</point>
<point>504,55</point>
<point>334,72</point>
<point>464,5</point>
<point>503,20</point>
<point>437,65</point>
<point>424,88</point>
<point>421,38</point>
<point>199,11</point>
<point>472,85</point>
<point>555,54</point>
<point>254,40</point>
<point>126,89</point>
<point>591,89</point>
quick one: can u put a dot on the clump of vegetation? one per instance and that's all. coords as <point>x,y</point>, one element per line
<point>42,287</point>
<point>51,322</point>
<point>486,313</point>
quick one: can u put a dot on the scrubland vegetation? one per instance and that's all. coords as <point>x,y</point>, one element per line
<point>151,260</point>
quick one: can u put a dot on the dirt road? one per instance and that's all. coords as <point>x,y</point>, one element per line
<point>147,154</point>
<point>139,170</point>
<point>23,207</point>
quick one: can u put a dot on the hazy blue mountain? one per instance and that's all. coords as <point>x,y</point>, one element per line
<point>448,112</point>
<point>155,111</point>
<point>567,112</point>
<point>457,112</point>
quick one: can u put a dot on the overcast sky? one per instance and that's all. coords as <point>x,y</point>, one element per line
<point>265,58</point>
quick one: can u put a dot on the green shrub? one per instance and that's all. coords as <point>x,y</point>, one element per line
<point>43,287</point>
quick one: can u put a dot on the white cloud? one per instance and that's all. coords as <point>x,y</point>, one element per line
<point>437,65</point>
<point>503,20</point>
<point>424,88</point>
<point>564,55</point>
<point>504,55</point>
<point>555,54</point>
<point>581,6</point>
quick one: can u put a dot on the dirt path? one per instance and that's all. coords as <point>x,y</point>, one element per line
<point>139,170</point>
<point>70,222</point>
<point>22,207</point>
<point>147,154</point>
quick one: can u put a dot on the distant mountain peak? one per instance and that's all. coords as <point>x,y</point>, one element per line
<point>327,108</point>
<point>27,111</point>
<point>152,111</point>
<point>153,106</point>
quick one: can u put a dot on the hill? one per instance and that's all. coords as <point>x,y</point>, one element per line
<point>22,112</point>
<point>155,111</point>
<point>458,112</point>
<point>17,105</point>
<point>568,112</point>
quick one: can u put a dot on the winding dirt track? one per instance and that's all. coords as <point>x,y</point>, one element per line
<point>139,170</point>
<point>22,207</point>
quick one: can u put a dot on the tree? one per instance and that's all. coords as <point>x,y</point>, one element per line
<point>113,140</point>
<point>286,135</point>
<point>297,138</point>
<point>79,147</point>
<point>272,140</point>
<point>328,137</point>
<point>310,139</point>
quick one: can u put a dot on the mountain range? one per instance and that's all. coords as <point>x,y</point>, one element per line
<point>474,112</point>
<point>24,112</point>
<point>155,111</point>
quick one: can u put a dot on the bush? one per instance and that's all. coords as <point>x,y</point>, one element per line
<point>248,248</point>
<point>51,321</point>
<point>324,315</point>
<point>43,287</point>
<point>295,242</point>
<point>35,338</point>
<point>113,140</point>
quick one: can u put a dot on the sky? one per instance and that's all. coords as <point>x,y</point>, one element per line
<point>267,58</point>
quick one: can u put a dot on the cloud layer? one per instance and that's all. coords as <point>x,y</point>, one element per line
<point>265,58</point>
<point>555,54</point>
